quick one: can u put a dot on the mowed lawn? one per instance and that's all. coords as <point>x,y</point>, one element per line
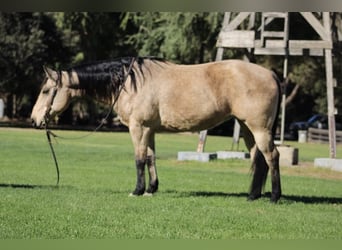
<point>195,200</point>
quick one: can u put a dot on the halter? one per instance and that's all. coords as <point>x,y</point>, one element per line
<point>54,93</point>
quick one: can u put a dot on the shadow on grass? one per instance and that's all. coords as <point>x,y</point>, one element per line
<point>285,198</point>
<point>312,199</point>
<point>60,187</point>
<point>26,186</point>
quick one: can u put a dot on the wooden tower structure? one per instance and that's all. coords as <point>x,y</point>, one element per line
<point>239,30</point>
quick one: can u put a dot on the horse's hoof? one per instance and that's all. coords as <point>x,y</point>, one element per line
<point>274,199</point>
<point>137,192</point>
<point>275,196</point>
<point>253,197</point>
<point>146,194</point>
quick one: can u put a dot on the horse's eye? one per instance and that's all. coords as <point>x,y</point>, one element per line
<point>45,91</point>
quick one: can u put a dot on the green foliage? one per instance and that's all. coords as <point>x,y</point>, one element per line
<point>186,37</point>
<point>195,201</point>
<point>309,73</point>
<point>94,36</point>
<point>26,41</point>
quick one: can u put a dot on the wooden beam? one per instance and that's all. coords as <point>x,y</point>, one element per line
<point>276,34</point>
<point>316,25</point>
<point>269,51</point>
<point>292,52</point>
<point>275,14</point>
<point>309,44</point>
<point>236,39</point>
<point>237,21</point>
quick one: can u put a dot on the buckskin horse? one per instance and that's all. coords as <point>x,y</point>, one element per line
<point>151,94</point>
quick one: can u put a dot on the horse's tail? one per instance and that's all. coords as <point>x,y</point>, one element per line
<point>275,123</point>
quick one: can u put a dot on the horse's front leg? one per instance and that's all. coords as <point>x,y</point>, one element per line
<point>140,138</point>
<point>140,185</point>
<point>151,164</point>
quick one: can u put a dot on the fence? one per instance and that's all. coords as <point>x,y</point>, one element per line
<point>322,135</point>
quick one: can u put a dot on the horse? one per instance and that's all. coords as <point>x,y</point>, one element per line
<point>152,94</point>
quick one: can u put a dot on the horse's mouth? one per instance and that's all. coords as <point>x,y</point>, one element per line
<point>35,125</point>
<point>39,125</point>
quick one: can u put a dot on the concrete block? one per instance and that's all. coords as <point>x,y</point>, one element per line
<point>333,164</point>
<point>196,156</point>
<point>302,136</point>
<point>323,162</point>
<point>337,165</point>
<point>288,155</point>
<point>232,155</point>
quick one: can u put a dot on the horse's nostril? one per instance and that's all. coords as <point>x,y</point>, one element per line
<point>35,124</point>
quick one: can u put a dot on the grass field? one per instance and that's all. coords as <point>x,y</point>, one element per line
<point>195,200</point>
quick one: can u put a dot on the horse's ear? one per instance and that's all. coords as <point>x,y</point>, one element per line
<point>50,73</point>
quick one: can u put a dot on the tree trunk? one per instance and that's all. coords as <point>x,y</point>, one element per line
<point>292,95</point>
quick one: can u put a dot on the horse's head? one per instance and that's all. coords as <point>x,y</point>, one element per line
<point>54,97</point>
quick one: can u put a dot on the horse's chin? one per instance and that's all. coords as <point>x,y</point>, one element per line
<point>39,125</point>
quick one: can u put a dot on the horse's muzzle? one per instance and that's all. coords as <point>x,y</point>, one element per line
<point>39,125</point>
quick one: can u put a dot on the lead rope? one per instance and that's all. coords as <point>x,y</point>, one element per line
<point>49,132</point>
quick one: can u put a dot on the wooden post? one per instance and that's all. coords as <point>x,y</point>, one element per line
<point>202,140</point>
<point>283,103</point>
<point>330,88</point>
<point>330,99</point>
<point>285,69</point>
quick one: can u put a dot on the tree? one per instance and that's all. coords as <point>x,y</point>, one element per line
<point>184,37</point>
<point>26,40</point>
<point>93,36</point>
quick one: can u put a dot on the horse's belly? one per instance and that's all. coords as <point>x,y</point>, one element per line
<point>192,122</point>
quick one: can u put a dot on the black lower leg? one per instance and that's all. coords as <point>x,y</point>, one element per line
<point>259,176</point>
<point>153,185</point>
<point>140,186</point>
<point>275,175</point>
<point>276,187</point>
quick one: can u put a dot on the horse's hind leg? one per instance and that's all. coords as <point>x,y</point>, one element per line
<point>260,171</point>
<point>259,165</point>
<point>151,164</point>
<point>265,144</point>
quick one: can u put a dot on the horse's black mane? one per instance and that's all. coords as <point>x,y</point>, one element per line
<point>104,78</point>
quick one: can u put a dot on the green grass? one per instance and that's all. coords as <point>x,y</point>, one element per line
<point>195,200</point>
